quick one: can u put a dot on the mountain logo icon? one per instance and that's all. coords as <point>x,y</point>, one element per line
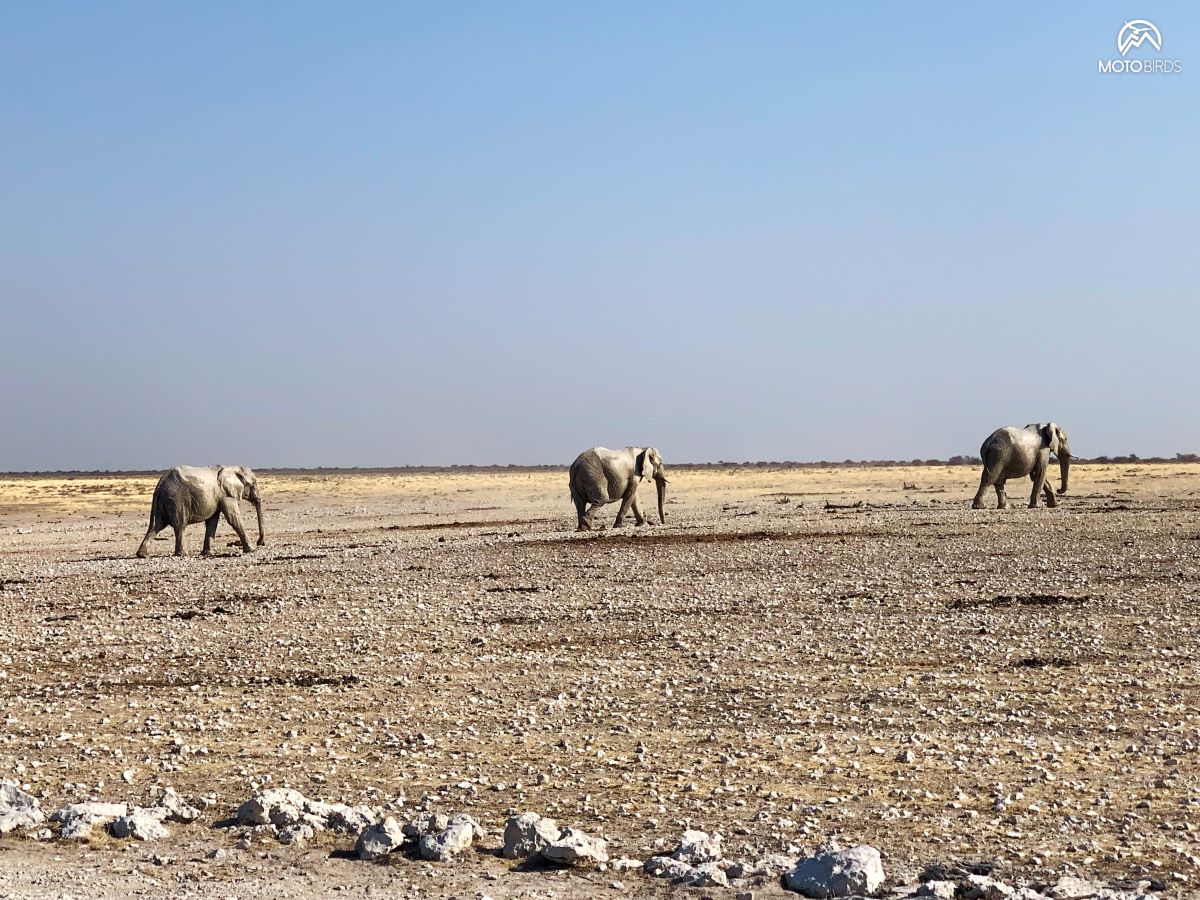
<point>1136,33</point>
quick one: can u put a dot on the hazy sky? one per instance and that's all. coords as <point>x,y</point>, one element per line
<point>296,234</point>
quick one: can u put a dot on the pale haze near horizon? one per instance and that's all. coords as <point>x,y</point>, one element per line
<point>379,235</point>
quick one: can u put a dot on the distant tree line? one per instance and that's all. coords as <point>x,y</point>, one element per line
<point>1134,458</point>
<point>1127,459</point>
<point>952,461</point>
<point>834,464</point>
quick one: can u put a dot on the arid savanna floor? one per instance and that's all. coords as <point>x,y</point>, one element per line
<point>1018,687</point>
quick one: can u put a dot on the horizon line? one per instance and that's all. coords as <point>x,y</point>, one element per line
<point>416,469</point>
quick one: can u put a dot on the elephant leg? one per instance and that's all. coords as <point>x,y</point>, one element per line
<point>178,538</point>
<point>210,529</point>
<point>626,502</point>
<point>985,481</point>
<point>144,549</point>
<point>1038,477</point>
<point>590,515</point>
<point>1051,500</point>
<point>1041,485</point>
<point>638,518</point>
<point>1001,500</point>
<point>230,508</point>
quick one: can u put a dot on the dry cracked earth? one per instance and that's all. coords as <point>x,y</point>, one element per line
<point>1014,687</point>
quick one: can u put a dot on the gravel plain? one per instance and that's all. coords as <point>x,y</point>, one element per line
<point>800,655</point>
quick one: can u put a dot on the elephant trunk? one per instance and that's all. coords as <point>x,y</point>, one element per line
<point>1064,469</point>
<point>660,482</point>
<point>262,537</point>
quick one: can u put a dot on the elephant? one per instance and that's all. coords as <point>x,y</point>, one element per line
<point>190,494</point>
<point>1016,452</point>
<point>600,476</point>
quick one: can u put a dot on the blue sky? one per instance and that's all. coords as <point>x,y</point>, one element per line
<point>383,234</point>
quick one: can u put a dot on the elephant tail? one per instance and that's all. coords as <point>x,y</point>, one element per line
<point>155,512</point>
<point>159,517</point>
<point>587,482</point>
<point>578,488</point>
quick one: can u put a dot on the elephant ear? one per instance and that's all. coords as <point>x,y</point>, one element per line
<point>231,482</point>
<point>654,458</point>
<point>649,463</point>
<point>1050,436</point>
<point>639,465</point>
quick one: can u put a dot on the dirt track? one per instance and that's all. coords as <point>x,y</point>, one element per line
<point>1015,686</point>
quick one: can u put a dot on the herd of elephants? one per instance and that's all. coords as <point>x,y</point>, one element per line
<point>187,495</point>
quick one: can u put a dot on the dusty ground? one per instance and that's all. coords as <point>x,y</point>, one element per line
<point>758,667</point>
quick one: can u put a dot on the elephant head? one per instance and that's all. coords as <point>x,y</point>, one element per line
<point>240,483</point>
<point>1055,437</point>
<point>650,465</point>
